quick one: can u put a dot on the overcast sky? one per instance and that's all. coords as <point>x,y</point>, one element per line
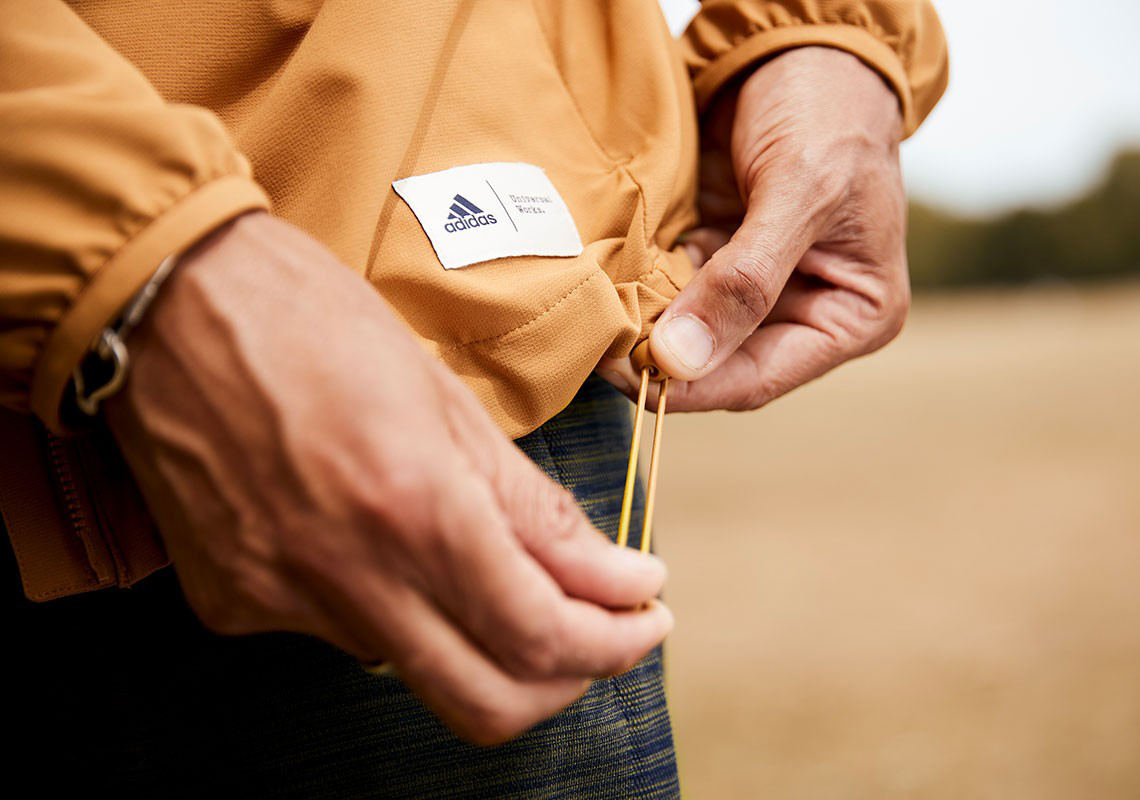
<point>1042,93</point>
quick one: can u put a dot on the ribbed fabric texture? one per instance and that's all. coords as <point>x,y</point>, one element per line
<point>123,690</point>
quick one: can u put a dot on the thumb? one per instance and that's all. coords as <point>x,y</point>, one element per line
<point>733,292</point>
<point>558,535</point>
<point>546,519</point>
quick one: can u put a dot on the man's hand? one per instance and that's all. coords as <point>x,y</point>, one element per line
<point>313,470</point>
<point>805,217</point>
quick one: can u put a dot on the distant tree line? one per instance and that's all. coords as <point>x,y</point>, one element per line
<point>1097,235</point>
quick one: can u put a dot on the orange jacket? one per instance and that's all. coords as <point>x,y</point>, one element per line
<point>129,130</point>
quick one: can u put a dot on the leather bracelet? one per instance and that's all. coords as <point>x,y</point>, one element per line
<point>103,370</point>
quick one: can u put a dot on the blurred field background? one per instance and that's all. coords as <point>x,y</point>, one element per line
<point>919,577</point>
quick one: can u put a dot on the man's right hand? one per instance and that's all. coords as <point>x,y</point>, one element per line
<point>312,469</point>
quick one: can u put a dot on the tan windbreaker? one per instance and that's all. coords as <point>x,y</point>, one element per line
<point>128,130</point>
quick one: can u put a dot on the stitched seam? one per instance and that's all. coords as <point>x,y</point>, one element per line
<point>623,167</point>
<point>546,311</point>
<point>62,590</point>
<point>644,204</point>
<point>103,525</point>
<point>21,563</point>
<point>67,486</point>
<point>627,717</point>
<point>645,227</point>
<point>657,268</point>
<point>67,589</point>
<point>56,592</point>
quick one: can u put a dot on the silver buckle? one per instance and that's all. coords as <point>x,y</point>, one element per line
<point>111,348</point>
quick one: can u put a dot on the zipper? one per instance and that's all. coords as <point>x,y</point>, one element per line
<point>96,549</point>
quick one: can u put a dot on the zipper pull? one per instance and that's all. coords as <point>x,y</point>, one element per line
<point>650,373</point>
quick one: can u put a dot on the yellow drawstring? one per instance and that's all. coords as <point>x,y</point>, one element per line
<point>649,372</point>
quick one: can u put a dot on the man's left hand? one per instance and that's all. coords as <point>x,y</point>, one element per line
<point>803,259</point>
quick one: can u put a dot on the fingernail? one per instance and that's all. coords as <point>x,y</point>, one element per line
<point>689,340</point>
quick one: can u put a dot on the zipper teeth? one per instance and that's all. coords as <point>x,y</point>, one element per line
<point>67,485</point>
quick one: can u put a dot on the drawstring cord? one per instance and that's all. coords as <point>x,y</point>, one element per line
<point>650,372</point>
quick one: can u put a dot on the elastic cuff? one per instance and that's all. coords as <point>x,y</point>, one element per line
<point>856,41</point>
<point>124,273</point>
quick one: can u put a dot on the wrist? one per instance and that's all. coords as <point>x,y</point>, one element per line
<point>837,84</point>
<point>103,370</point>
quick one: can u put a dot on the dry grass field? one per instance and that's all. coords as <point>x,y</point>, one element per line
<point>920,576</point>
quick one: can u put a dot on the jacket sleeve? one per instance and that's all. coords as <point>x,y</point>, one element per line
<point>900,39</point>
<point>100,179</point>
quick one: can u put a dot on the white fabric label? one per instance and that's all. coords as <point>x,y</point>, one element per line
<point>484,211</point>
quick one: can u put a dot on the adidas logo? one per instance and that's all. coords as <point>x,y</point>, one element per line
<point>466,215</point>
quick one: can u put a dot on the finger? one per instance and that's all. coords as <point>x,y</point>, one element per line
<point>732,293</point>
<point>619,373</point>
<point>523,547</point>
<point>802,300</point>
<point>545,518</point>
<point>773,361</point>
<point>512,605</point>
<point>718,197</point>
<point>469,691</point>
<point>699,244</point>
<point>379,618</point>
<point>702,243</point>
<point>558,535</point>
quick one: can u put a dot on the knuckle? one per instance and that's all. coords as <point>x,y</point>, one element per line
<point>399,499</point>
<point>560,514</point>
<point>889,315</point>
<point>549,514</point>
<point>834,185</point>
<point>748,402</point>
<point>404,487</point>
<point>828,188</point>
<point>815,177</point>
<point>537,652</point>
<point>745,284</point>
<point>755,398</point>
<point>896,315</point>
<point>246,593</point>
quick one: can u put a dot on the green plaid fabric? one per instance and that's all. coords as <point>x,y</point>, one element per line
<point>181,712</point>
